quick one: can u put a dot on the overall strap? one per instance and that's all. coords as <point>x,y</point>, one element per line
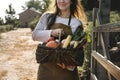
<point>69,20</point>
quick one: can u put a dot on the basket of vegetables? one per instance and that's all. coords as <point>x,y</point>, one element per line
<point>68,51</point>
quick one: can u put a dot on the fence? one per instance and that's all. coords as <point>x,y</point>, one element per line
<point>99,42</point>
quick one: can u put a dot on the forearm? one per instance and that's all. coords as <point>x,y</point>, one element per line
<point>41,35</point>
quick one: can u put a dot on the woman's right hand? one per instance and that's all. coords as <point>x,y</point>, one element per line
<point>56,32</point>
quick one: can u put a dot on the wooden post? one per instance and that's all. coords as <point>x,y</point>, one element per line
<point>104,12</point>
<point>104,7</point>
<point>94,37</point>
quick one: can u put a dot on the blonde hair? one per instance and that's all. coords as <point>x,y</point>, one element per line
<point>80,14</point>
<point>76,10</point>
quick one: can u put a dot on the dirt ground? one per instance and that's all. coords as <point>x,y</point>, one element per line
<point>17,55</point>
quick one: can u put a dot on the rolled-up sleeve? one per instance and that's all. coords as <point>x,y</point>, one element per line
<point>39,33</point>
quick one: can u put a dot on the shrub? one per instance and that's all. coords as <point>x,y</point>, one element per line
<point>5,28</point>
<point>34,23</point>
<point>114,16</point>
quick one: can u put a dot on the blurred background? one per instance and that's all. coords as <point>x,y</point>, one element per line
<point>18,19</point>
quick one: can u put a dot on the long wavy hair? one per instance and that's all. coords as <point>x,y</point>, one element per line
<point>76,10</point>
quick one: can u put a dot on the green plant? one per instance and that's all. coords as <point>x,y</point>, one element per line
<point>89,15</point>
<point>5,28</point>
<point>114,16</point>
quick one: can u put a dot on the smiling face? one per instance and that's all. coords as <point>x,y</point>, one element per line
<point>64,5</point>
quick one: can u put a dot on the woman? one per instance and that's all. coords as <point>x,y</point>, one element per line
<point>67,12</point>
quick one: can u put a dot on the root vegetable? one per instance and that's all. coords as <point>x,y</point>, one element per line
<point>51,39</point>
<point>67,41</point>
<point>52,44</point>
<point>76,44</point>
